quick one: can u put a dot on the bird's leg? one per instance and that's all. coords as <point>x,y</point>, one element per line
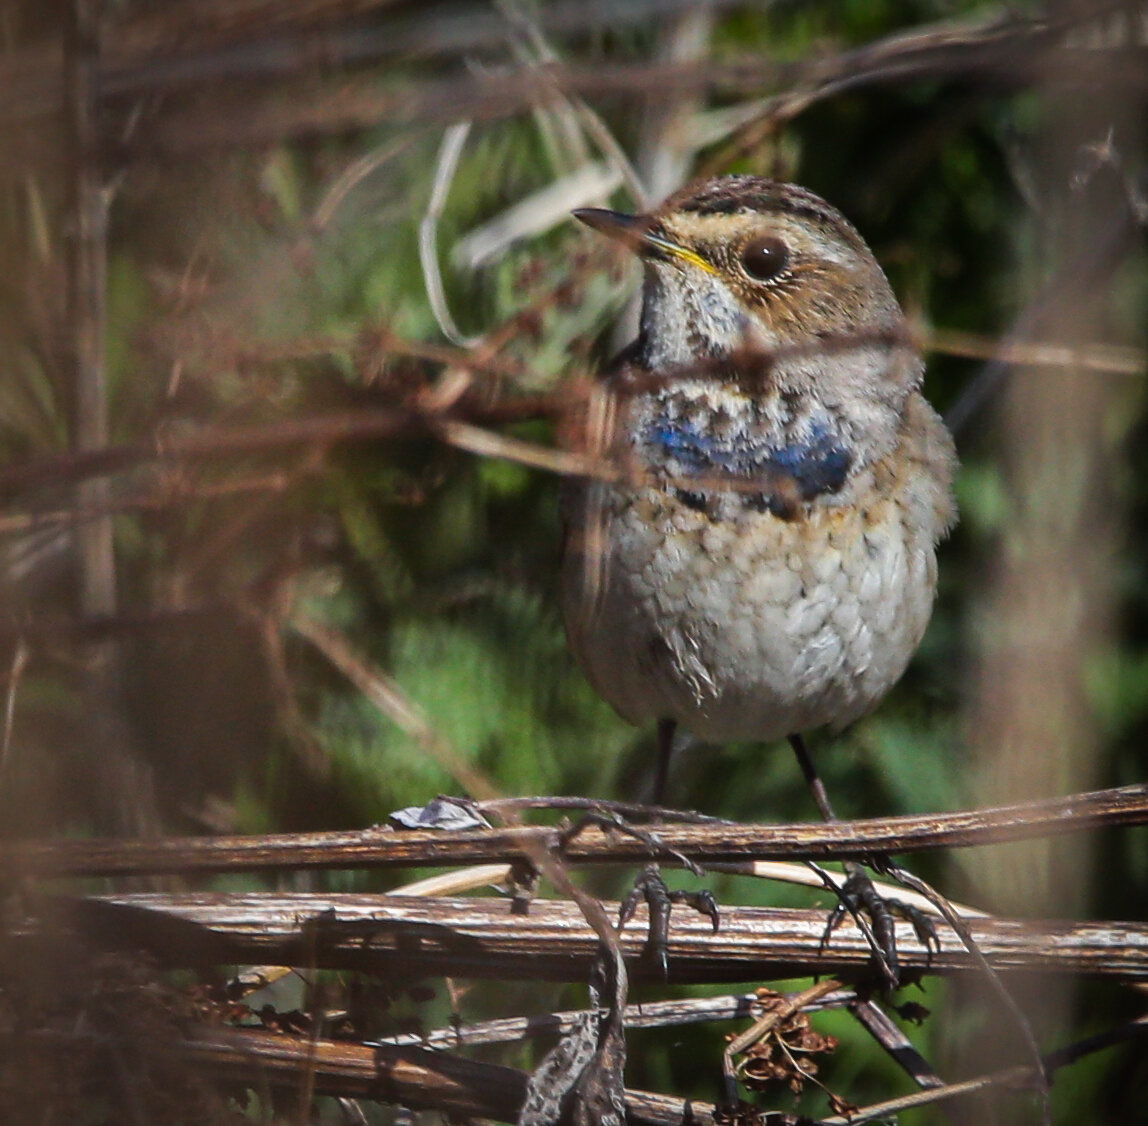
<point>812,778</point>
<point>858,892</point>
<point>650,886</point>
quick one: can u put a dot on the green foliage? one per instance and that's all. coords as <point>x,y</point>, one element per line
<point>493,680</point>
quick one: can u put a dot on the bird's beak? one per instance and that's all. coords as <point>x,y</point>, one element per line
<point>636,232</point>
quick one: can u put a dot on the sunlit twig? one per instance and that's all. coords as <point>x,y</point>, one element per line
<point>390,699</point>
<point>448,157</point>
<point>15,672</point>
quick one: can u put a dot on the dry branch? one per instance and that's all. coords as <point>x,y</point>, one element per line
<point>401,936</point>
<point>1107,359</point>
<point>646,1014</point>
<point>409,1077</point>
<point>285,112</point>
<point>705,843</point>
<point>212,442</point>
<point>87,299</point>
<point>421,1078</point>
<point>288,94</point>
<point>168,47</point>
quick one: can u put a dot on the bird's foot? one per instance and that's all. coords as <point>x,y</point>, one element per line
<point>650,886</point>
<point>874,913</point>
<point>660,900</point>
<point>610,821</point>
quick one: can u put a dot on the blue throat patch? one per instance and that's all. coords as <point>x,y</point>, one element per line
<point>818,464</point>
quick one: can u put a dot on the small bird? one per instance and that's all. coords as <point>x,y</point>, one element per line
<point>758,557</point>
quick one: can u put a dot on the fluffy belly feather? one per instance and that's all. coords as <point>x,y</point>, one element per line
<point>746,628</point>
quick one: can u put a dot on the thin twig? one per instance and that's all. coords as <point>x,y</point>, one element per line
<point>448,157</point>
<point>1077,279</point>
<point>390,699</point>
<point>458,881</point>
<point>801,875</point>
<point>997,44</point>
<point>599,132</point>
<point>1012,1077</point>
<point>351,176</point>
<point>647,1014</point>
<point>166,495</point>
<point>1004,50</point>
<point>403,421</point>
<point>15,672</point>
<point>961,927</point>
<point>636,810</point>
<point>1105,358</point>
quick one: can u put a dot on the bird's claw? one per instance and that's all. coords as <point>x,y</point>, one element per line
<point>860,898</point>
<point>650,886</point>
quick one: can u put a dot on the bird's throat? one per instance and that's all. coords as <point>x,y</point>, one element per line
<point>689,317</point>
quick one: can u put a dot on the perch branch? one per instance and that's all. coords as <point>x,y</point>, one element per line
<point>705,843</point>
<point>415,936</point>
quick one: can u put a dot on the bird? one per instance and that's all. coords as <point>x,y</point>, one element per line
<point>754,554</point>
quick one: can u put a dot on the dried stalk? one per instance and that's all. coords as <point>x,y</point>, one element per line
<point>409,1077</point>
<point>705,843</point>
<point>648,1014</point>
<point>420,1078</point>
<point>406,936</point>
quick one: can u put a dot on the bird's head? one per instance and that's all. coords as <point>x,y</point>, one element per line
<point>742,262</point>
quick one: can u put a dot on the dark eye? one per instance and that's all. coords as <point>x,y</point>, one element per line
<point>764,258</point>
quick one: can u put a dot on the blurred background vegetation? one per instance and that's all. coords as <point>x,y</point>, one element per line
<point>266,171</point>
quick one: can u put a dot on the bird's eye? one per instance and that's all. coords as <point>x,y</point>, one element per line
<point>764,258</point>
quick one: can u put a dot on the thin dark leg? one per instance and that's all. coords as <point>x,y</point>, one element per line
<point>666,729</point>
<point>816,786</point>
<point>859,894</point>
